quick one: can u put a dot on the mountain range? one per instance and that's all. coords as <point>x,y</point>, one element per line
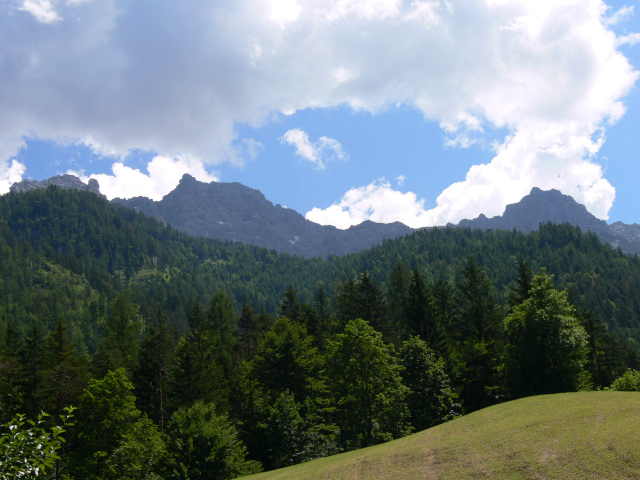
<point>234,212</point>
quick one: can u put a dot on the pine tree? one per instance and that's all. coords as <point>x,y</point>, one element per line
<point>64,375</point>
<point>477,331</point>
<point>418,306</point>
<point>153,376</point>
<point>196,373</point>
<point>290,306</point>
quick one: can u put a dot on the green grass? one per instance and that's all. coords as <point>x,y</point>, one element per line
<point>591,435</point>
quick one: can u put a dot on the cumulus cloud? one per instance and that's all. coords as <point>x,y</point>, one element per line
<point>378,202</point>
<point>10,173</point>
<point>177,77</point>
<point>319,153</point>
<point>162,177</point>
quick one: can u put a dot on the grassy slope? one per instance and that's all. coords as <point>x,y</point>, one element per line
<point>593,435</point>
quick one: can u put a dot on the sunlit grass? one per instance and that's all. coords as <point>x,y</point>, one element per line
<point>593,435</point>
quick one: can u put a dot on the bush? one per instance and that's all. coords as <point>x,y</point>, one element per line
<point>629,382</point>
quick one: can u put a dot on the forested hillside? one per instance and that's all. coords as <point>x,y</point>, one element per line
<point>272,360</point>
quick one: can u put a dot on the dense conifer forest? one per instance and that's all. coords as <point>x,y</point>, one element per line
<point>192,358</point>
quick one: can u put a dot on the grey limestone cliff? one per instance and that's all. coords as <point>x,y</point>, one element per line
<point>552,206</point>
<point>234,212</point>
<point>62,181</point>
<point>231,211</point>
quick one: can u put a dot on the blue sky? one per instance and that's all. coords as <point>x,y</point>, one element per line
<point>419,111</point>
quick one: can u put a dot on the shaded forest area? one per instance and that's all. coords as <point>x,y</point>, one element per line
<point>192,358</point>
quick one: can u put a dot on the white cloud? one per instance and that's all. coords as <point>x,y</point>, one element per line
<point>320,152</point>
<point>620,15</point>
<point>377,202</point>
<point>9,174</point>
<point>42,10</point>
<point>401,179</point>
<point>177,77</point>
<point>164,174</point>
<point>630,39</point>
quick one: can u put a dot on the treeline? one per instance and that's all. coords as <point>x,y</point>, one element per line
<point>189,356</point>
<point>245,390</point>
<point>68,253</point>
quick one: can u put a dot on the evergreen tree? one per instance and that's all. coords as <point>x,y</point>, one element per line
<point>322,306</point>
<point>248,331</point>
<point>418,307</point>
<point>196,373</point>
<point>11,374</point>
<point>397,288</point>
<point>477,331</point>
<point>290,306</point>
<point>120,347</point>
<point>31,363</point>
<point>520,291</point>
<point>442,313</point>
<point>222,324</point>
<point>153,376</point>
<point>348,302</point>
<point>287,360</point>
<point>64,375</point>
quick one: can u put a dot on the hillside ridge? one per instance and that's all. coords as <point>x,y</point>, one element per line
<point>235,212</point>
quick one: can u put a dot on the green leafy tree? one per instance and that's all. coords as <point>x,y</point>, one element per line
<point>205,445</point>
<point>28,449</point>
<point>107,413</point>
<point>141,454</point>
<point>367,390</point>
<point>547,346</point>
<point>292,435</point>
<point>431,399</point>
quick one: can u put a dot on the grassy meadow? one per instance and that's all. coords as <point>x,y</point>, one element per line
<point>586,435</point>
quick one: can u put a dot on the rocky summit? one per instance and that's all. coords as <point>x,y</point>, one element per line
<point>62,181</point>
<point>542,206</point>
<point>234,212</point>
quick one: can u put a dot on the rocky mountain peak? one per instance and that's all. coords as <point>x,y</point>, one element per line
<point>538,207</point>
<point>62,181</point>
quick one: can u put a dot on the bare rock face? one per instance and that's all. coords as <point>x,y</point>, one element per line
<point>62,181</point>
<point>540,207</point>
<point>234,212</point>
<point>231,211</point>
<point>552,206</point>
